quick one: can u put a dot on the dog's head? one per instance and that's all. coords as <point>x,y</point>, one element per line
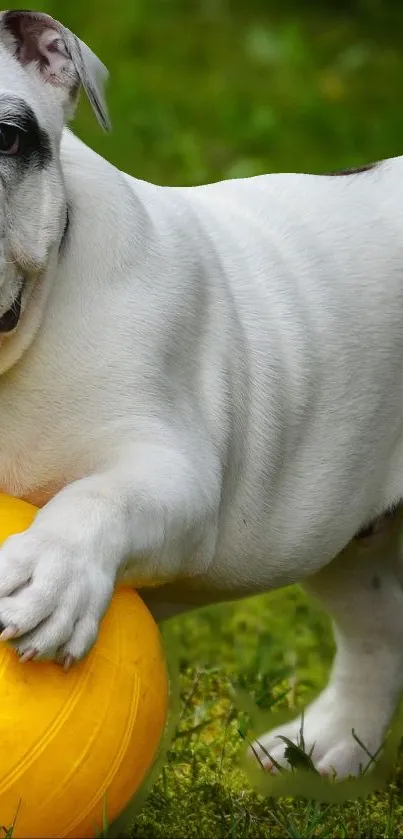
<point>42,67</point>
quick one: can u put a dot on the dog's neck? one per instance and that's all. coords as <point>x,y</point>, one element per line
<point>107,220</point>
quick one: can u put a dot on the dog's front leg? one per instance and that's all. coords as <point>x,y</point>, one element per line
<point>139,521</point>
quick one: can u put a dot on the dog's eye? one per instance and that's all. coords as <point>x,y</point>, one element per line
<point>9,139</point>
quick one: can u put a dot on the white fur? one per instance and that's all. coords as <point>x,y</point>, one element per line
<point>207,383</point>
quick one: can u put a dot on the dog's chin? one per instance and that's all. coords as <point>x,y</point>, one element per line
<point>10,318</point>
<point>15,343</point>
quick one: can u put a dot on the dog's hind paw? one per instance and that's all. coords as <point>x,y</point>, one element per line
<point>336,737</point>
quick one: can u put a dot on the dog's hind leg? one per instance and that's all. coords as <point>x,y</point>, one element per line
<point>362,590</point>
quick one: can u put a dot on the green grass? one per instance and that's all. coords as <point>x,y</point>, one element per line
<point>202,90</point>
<point>275,651</point>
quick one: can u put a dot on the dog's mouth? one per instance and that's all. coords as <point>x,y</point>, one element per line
<point>9,320</point>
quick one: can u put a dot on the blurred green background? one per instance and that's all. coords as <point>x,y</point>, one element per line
<point>208,89</point>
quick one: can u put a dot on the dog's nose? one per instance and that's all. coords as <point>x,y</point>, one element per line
<point>10,319</point>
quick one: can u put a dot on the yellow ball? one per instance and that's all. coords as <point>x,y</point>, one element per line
<point>75,746</point>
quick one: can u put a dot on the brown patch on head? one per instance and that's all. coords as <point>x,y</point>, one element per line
<point>367,167</point>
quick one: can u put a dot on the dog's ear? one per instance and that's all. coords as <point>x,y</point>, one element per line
<point>60,57</point>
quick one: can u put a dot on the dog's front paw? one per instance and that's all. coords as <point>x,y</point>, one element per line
<point>52,595</point>
<point>339,738</point>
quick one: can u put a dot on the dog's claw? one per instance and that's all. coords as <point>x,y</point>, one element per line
<point>68,662</point>
<point>9,632</point>
<point>28,655</point>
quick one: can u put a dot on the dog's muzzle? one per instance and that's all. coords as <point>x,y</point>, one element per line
<point>10,319</point>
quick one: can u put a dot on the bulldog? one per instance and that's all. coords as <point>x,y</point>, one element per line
<point>202,388</point>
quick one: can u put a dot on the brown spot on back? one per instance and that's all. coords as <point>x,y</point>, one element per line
<point>367,167</point>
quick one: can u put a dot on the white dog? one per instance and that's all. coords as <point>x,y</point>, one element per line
<point>203,386</point>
